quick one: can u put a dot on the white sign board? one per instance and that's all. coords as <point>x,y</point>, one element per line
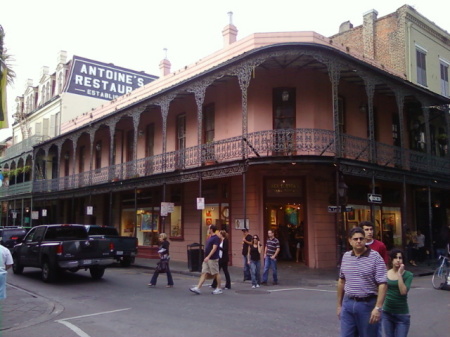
<point>44,212</point>
<point>35,215</point>
<point>166,208</point>
<point>200,203</point>
<point>89,210</point>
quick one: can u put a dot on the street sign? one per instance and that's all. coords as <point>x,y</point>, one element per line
<point>337,209</point>
<point>374,198</point>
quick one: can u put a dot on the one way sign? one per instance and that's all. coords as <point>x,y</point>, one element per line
<point>374,198</point>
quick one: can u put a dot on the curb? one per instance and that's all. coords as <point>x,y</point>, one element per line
<point>51,310</point>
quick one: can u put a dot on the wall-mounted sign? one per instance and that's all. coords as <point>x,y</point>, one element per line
<point>89,210</point>
<point>284,187</point>
<point>35,215</point>
<point>200,203</point>
<point>240,224</point>
<point>44,212</point>
<point>102,80</point>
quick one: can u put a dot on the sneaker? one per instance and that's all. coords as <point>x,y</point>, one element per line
<point>257,286</point>
<point>217,291</point>
<point>195,290</point>
<point>151,285</point>
<point>253,287</point>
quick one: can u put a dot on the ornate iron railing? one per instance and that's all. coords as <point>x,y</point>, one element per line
<point>24,146</point>
<point>270,143</point>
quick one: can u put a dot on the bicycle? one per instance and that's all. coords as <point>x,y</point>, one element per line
<point>441,274</point>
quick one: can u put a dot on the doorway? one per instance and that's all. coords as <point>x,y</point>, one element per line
<point>287,220</point>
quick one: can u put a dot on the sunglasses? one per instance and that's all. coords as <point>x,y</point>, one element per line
<point>358,239</point>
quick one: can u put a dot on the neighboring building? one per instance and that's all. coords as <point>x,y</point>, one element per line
<point>405,41</point>
<point>78,85</point>
<point>276,128</point>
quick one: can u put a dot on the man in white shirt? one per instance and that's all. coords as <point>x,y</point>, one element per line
<point>6,261</point>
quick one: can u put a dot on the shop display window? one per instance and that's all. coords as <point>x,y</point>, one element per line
<point>175,223</point>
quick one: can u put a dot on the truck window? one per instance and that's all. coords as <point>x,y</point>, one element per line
<point>102,231</point>
<point>66,233</point>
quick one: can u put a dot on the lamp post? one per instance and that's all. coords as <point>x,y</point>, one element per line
<point>341,202</point>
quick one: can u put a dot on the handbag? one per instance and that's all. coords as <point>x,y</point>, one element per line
<point>162,265</point>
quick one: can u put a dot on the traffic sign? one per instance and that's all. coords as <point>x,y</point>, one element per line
<point>374,198</point>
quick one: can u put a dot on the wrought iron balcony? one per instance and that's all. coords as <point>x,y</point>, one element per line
<point>270,143</point>
<point>24,146</point>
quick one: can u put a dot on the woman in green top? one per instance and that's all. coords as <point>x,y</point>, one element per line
<point>396,318</point>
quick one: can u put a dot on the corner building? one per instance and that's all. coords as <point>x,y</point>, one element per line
<point>273,128</point>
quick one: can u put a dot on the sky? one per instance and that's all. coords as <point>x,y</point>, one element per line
<point>134,33</point>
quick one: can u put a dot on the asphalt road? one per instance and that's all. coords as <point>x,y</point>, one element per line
<point>121,304</point>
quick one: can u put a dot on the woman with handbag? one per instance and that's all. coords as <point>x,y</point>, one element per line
<point>163,264</point>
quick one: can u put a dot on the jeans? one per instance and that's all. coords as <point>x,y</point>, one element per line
<point>355,318</point>
<point>270,264</point>
<point>169,277</point>
<point>247,275</point>
<point>255,267</point>
<point>395,325</point>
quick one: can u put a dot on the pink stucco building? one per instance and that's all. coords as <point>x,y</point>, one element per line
<point>275,128</point>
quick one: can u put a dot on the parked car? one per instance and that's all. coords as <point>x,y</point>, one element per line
<point>55,248</point>
<point>10,235</point>
<point>125,247</point>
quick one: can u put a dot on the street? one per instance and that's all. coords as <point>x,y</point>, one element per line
<point>121,304</point>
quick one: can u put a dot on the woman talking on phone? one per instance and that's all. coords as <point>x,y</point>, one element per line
<point>254,260</point>
<point>396,318</point>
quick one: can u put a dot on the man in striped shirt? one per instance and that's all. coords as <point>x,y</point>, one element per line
<point>361,288</point>
<point>270,258</point>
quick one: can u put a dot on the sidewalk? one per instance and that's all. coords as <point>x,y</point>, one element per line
<point>290,274</point>
<point>22,308</point>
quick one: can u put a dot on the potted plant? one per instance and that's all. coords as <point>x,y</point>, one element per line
<point>26,169</point>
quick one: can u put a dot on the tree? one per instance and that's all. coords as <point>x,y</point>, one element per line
<point>7,76</point>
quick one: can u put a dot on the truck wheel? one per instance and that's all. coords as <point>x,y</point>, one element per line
<point>126,261</point>
<point>48,273</point>
<point>97,272</point>
<point>17,267</point>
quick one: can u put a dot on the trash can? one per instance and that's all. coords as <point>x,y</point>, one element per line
<point>195,255</point>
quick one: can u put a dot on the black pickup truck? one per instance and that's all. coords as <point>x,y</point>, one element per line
<point>125,247</point>
<point>55,248</point>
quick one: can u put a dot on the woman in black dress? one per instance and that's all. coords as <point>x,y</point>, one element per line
<point>223,259</point>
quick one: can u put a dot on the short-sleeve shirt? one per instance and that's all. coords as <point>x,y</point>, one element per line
<point>245,245</point>
<point>212,240</point>
<point>396,303</point>
<point>363,274</point>
<point>272,245</point>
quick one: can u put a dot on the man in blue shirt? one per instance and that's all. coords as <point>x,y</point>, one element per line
<point>210,266</point>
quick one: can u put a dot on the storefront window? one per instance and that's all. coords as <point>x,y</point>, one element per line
<point>147,228</point>
<point>174,220</point>
<point>388,222</point>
